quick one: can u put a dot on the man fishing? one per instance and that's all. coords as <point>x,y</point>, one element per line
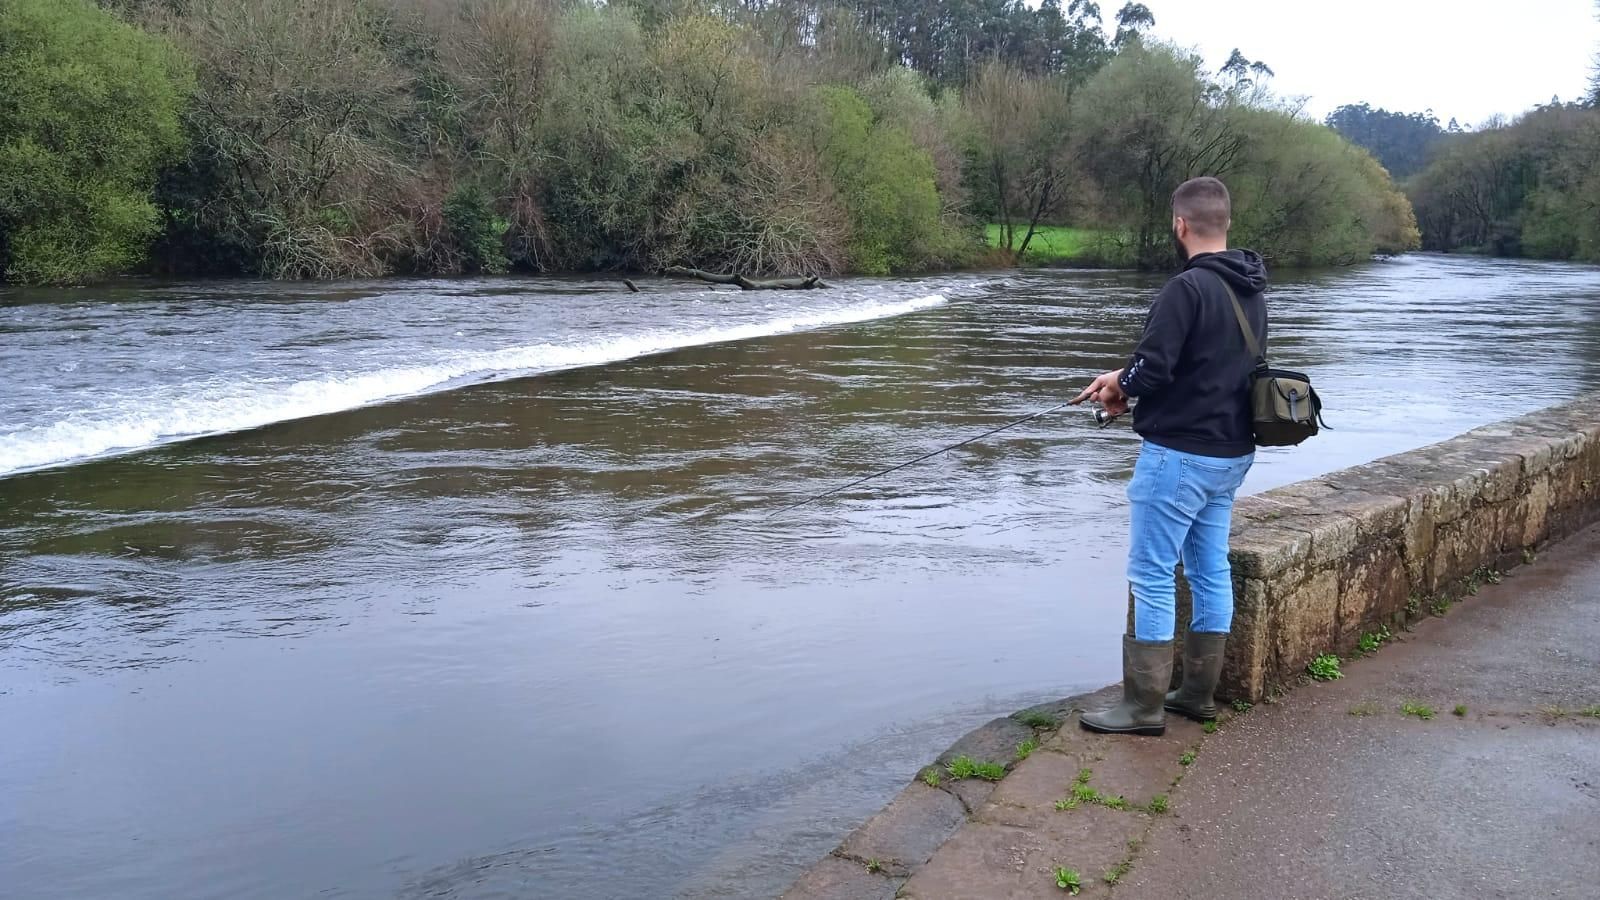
<point>1190,374</point>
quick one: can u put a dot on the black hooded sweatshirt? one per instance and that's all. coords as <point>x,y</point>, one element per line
<point>1191,370</point>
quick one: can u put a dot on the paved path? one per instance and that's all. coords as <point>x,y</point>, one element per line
<point>1329,793</point>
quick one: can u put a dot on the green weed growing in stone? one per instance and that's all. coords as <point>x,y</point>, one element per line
<point>1372,640</point>
<point>1026,748</point>
<point>1412,708</point>
<point>1590,712</point>
<point>1242,706</point>
<point>1528,556</point>
<point>1158,804</point>
<point>967,767</point>
<point>1364,709</point>
<point>1117,871</point>
<point>1460,710</point>
<point>1413,606</point>
<point>1068,880</point>
<point>1035,719</point>
<point>1210,727</point>
<point>1083,793</point>
<point>931,778</point>
<point>1440,606</point>
<point>1325,668</point>
<point>1187,759</point>
<point>874,866</point>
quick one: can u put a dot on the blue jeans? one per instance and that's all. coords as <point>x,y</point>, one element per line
<point>1182,506</point>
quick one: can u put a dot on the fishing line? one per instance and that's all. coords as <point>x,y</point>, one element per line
<point>1100,416</point>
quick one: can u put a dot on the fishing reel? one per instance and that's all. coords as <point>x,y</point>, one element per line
<point>1103,418</point>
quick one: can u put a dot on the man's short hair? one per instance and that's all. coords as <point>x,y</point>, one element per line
<point>1203,203</point>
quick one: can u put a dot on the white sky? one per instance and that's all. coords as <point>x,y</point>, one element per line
<point>1464,58</point>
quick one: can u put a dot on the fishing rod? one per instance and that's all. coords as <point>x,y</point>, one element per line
<point>1101,417</point>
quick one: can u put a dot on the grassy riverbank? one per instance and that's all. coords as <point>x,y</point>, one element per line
<point>1061,245</point>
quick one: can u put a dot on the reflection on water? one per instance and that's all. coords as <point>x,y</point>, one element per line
<point>543,637</point>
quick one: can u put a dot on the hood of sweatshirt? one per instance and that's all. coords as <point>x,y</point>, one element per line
<point>1243,269</point>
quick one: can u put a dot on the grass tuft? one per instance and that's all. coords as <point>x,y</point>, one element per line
<point>1036,719</point>
<point>967,767</point>
<point>1413,708</point>
<point>1117,871</point>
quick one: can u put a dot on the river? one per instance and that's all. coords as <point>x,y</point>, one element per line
<point>483,588</point>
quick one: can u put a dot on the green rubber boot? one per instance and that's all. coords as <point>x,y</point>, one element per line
<point>1202,666</point>
<point>1146,673</point>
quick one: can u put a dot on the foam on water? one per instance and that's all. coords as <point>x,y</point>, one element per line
<point>207,407</point>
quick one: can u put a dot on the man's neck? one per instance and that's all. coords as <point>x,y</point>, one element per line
<point>1209,247</point>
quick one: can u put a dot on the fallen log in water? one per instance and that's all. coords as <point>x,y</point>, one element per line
<point>748,284</point>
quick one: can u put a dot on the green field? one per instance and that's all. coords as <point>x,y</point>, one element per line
<point>1051,243</point>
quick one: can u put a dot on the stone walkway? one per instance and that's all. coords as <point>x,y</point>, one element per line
<point>1461,760</point>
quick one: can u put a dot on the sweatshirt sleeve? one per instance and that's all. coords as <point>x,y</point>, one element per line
<point>1165,331</point>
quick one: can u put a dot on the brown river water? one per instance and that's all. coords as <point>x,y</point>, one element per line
<point>475,589</point>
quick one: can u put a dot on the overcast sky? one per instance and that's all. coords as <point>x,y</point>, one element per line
<point>1463,58</point>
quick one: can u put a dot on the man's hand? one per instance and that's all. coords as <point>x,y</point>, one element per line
<point>1107,392</point>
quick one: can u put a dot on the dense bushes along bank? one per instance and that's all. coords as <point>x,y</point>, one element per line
<point>1525,188</point>
<point>336,138</point>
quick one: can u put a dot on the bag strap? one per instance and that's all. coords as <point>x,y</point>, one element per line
<point>1244,323</point>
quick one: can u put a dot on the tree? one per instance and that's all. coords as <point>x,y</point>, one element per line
<point>886,183</point>
<point>301,118</point>
<point>89,111</point>
<point>1150,121</point>
<point>1024,155</point>
<point>1403,142</point>
<point>1527,187</point>
<point>1594,81</point>
<point>1133,20</point>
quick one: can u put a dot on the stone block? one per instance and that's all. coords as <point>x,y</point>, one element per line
<point>972,792</point>
<point>998,862</point>
<point>1501,478</point>
<point>995,741</point>
<point>1461,547</point>
<point>1027,796</point>
<point>907,831</point>
<point>1373,589</point>
<point>1306,620</point>
<point>1266,551</point>
<point>1417,539</point>
<point>841,879</point>
<point>1244,670</point>
<point>1536,519</point>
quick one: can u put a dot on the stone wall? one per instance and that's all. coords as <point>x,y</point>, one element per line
<point>1318,563</point>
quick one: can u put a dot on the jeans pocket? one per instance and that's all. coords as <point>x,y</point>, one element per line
<point>1197,484</point>
<point>1147,471</point>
